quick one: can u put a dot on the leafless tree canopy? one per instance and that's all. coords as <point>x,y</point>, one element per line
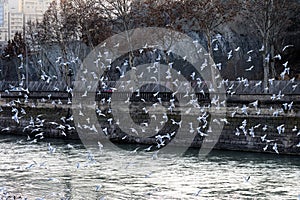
<point>92,21</point>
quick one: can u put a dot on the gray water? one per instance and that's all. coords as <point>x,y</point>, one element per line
<point>73,172</point>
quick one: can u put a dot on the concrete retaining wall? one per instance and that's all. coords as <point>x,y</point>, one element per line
<point>51,116</point>
<point>51,119</point>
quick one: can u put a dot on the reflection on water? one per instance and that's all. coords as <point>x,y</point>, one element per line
<point>66,170</point>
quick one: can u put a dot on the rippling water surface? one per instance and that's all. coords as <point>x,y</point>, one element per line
<point>67,170</point>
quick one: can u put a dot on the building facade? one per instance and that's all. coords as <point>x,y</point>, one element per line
<point>2,7</point>
<point>3,20</point>
<point>15,14</point>
<point>34,8</point>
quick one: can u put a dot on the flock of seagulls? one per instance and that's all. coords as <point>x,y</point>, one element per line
<point>266,133</point>
<point>36,125</point>
<point>244,110</point>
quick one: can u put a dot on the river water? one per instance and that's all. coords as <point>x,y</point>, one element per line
<point>66,170</point>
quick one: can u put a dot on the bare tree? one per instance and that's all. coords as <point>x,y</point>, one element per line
<point>88,20</point>
<point>270,18</point>
<point>58,26</point>
<point>206,16</point>
<point>117,12</point>
<point>15,52</point>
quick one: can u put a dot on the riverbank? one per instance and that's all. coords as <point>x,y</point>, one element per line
<point>271,126</point>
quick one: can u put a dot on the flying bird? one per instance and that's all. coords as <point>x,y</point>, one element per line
<point>250,68</point>
<point>287,46</point>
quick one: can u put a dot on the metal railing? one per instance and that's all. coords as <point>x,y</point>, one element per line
<point>231,87</point>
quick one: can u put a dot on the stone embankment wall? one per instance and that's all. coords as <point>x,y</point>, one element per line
<point>287,141</point>
<point>269,127</point>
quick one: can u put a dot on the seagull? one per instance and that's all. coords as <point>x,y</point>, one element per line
<point>258,84</point>
<point>262,48</point>
<point>69,146</point>
<point>216,47</point>
<point>278,56</point>
<point>251,132</point>
<point>149,148</point>
<point>16,118</point>
<point>258,112</point>
<point>155,94</point>
<point>237,132</point>
<point>30,166</point>
<point>200,132</point>
<point>141,75</point>
<point>117,45</point>
<point>105,131</point>
<point>159,100</point>
<point>285,64</point>
<point>271,81</point>
<point>249,51</point>
<point>224,120</point>
<point>188,110</point>
<point>145,110</point>
<point>198,192</point>
<point>287,46</point>
<point>295,129</point>
<point>51,149</point>
<point>123,138</point>
<point>157,129</point>
<point>275,148</point>
<point>159,138</point>
<point>5,129</point>
<point>177,123</point>
<point>63,133</point>
<point>265,128</point>
<point>257,126</point>
<point>285,106</point>
<point>276,113</point>
<point>193,75</point>
<point>55,88</point>
<point>254,104</point>
<point>266,147</point>
<point>134,131</point>
<point>174,93</point>
<point>154,78</point>
<point>214,40</point>
<point>263,137</point>
<point>229,54</point>
<point>233,113</point>
<point>39,134</point>
<point>98,187</point>
<point>267,58</point>
<point>244,109</point>
<point>110,120</point>
<point>249,59</point>
<point>250,68</point>
<point>247,178</point>
<point>280,129</point>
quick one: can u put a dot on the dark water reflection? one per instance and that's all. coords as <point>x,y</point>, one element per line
<point>72,172</point>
